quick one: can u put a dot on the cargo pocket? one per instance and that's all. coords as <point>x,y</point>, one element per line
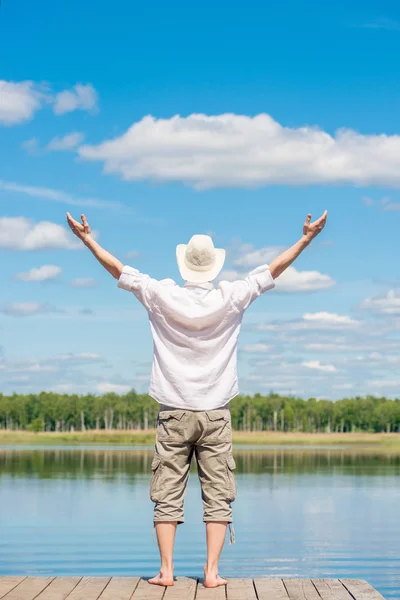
<point>219,425</point>
<point>155,487</point>
<point>230,467</point>
<point>170,424</point>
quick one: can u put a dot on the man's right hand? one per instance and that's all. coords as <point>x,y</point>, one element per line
<point>81,230</point>
<point>311,230</point>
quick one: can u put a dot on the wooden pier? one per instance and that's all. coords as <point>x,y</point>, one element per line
<point>185,588</point>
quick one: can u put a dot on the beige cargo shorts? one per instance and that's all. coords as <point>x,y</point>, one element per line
<point>208,436</point>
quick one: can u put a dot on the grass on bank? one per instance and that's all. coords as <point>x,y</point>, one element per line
<point>141,437</point>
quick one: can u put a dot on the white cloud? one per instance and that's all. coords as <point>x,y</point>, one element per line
<point>106,387</point>
<point>26,309</point>
<point>237,150</point>
<point>293,280</point>
<point>245,257</point>
<point>19,101</point>
<point>255,348</point>
<point>316,364</point>
<point>325,318</point>
<point>250,257</point>
<point>384,305</point>
<point>20,233</point>
<point>230,275</point>
<point>80,97</point>
<point>45,193</point>
<point>67,142</point>
<point>84,282</point>
<point>43,273</point>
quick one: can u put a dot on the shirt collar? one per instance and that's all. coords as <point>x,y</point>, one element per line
<point>207,285</point>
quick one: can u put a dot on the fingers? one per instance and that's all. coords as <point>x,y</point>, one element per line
<point>74,225</point>
<point>308,219</point>
<point>85,224</point>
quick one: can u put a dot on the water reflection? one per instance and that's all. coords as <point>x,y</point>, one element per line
<point>300,512</point>
<point>112,463</point>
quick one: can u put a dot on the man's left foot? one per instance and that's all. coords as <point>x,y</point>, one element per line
<point>164,579</point>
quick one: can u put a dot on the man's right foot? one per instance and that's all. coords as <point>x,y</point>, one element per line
<point>212,580</point>
<point>164,579</point>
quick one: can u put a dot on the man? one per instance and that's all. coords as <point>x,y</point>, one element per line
<point>195,329</point>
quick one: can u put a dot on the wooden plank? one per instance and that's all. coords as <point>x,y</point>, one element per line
<point>29,588</point>
<point>9,583</point>
<point>331,589</point>
<point>270,589</point>
<point>59,588</point>
<point>240,589</point>
<point>89,588</point>
<point>203,593</point>
<point>147,591</point>
<point>300,589</point>
<point>183,589</point>
<point>361,590</point>
<point>119,588</point>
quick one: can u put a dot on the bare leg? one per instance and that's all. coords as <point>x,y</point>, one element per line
<point>165,538</point>
<point>216,532</point>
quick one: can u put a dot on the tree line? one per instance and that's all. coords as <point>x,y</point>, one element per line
<point>49,411</point>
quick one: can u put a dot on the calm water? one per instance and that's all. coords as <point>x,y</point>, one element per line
<point>299,513</point>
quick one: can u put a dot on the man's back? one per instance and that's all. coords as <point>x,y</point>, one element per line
<point>195,328</point>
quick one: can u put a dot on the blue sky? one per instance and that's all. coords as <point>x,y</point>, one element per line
<point>166,120</point>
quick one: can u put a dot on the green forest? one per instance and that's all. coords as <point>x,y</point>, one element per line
<point>50,411</point>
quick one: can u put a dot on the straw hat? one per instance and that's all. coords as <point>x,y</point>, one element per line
<point>199,261</point>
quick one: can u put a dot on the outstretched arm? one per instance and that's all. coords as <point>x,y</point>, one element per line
<point>310,231</point>
<point>82,231</point>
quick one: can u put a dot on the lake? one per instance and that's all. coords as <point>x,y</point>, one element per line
<point>314,512</point>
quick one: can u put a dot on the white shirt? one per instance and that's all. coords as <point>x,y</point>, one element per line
<point>195,330</point>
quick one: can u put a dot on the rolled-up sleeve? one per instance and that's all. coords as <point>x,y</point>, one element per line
<point>247,290</point>
<point>140,284</point>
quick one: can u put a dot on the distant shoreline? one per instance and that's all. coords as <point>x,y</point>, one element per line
<point>146,437</point>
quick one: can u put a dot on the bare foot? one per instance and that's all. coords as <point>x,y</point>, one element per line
<point>164,579</point>
<point>212,580</point>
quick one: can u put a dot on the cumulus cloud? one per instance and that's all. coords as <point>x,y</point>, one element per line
<point>242,151</point>
<point>84,282</point>
<point>80,97</point>
<point>319,321</point>
<point>20,233</point>
<point>43,273</point>
<point>19,101</point>
<point>67,142</point>
<point>45,193</point>
<point>322,319</point>
<point>293,280</point>
<point>26,309</point>
<point>388,304</point>
<point>245,257</point>
<point>316,364</point>
<point>248,256</point>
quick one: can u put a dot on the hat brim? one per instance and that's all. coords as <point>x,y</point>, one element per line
<point>199,276</point>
